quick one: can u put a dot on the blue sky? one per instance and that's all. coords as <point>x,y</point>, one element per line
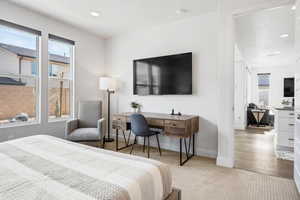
<point>27,40</point>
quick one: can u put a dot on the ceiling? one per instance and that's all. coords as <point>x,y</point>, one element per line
<point>258,37</point>
<point>242,6</point>
<point>118,16</point>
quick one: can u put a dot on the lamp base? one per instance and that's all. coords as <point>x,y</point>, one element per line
<point>109,140</point>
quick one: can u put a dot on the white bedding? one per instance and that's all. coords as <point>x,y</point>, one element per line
<point>44,167</point>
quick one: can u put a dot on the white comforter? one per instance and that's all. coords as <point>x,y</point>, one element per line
<point>44,167</point>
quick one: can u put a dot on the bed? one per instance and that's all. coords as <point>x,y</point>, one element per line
<point>45,167</point>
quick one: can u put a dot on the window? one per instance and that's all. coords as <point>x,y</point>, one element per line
<point>60,77</point>
<point>263,89</point>
<point>19,73</point>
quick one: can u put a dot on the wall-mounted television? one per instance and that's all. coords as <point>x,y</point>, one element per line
<point>289,87</point>
<point>165,75</point>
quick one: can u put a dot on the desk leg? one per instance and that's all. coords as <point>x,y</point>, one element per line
<point>193,144</point>
<point>127,140</point>
<point>117,139</point>
<point>187,150</point>
<point>180,141</point>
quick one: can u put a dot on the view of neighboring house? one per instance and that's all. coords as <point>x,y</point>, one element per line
<point>18,60</point>
<point>18,70</point>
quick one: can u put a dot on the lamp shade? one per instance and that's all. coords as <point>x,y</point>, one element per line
<point>107,83</point>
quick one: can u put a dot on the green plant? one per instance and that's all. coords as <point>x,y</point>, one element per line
<point>135,105</point>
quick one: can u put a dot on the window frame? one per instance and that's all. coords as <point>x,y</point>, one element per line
<point>72,81</point>
<point>37,75</point>
<point>42,77</point>
<point>268,88</point>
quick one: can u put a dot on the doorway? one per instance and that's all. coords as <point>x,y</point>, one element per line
<point>264,98</point>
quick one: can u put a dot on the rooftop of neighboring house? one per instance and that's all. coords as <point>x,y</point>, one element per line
<point>10,81</point>
<point>30,53</point>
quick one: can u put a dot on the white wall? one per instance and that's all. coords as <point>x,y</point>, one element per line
<point>89,65</point>
<point>276,82</point>
<point>225,77</point>
<point>191,35</point>
<point>249,86</point>
<point>240,91</point>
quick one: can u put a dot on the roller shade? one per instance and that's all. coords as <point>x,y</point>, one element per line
<point>61,39</point>
<point>19,27</point>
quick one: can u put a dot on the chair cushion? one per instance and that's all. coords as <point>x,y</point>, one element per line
<point>159,130</point>
<point>84,134</point>
<point>89,113</point>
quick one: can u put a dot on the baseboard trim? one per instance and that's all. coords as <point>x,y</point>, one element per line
<point>206,153</point>
<point>239,126</point>
<point>225,162</point>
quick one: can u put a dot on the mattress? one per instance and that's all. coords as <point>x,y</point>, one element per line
<point>48,168</point>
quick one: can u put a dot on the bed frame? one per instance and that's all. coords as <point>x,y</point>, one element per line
<point>175,195</point>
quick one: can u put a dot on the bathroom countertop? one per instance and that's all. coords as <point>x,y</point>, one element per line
<point>286,108</point>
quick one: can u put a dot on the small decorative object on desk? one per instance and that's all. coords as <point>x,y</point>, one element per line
<point>136,107</point>
<point>173,113</point>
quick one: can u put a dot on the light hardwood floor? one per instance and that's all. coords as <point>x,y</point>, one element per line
<point>200,178</point>
<point>254,151</point>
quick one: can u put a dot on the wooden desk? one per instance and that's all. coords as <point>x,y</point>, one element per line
<point>183,127</point>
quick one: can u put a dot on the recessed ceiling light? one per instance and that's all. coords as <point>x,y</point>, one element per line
<point>274,53</point>
<point>284,35</point>
<point>181,11</point>
<point>294,8</point>
<point>94,13</point>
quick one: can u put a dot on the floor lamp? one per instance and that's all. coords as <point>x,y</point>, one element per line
<point>108,84</point>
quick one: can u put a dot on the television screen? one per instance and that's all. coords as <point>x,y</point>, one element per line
<point>166,75</point>
<point>289,87</point>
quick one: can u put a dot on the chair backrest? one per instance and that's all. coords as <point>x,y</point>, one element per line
<point>252,106</point>
<point>139,125</point>
<point>89,113</point>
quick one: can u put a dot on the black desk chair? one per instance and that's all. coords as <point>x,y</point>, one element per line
<point>140,128</point>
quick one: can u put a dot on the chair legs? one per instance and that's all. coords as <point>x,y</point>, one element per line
<point>148,145</point>
<point>103,142</point>
<point>133,144</point>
